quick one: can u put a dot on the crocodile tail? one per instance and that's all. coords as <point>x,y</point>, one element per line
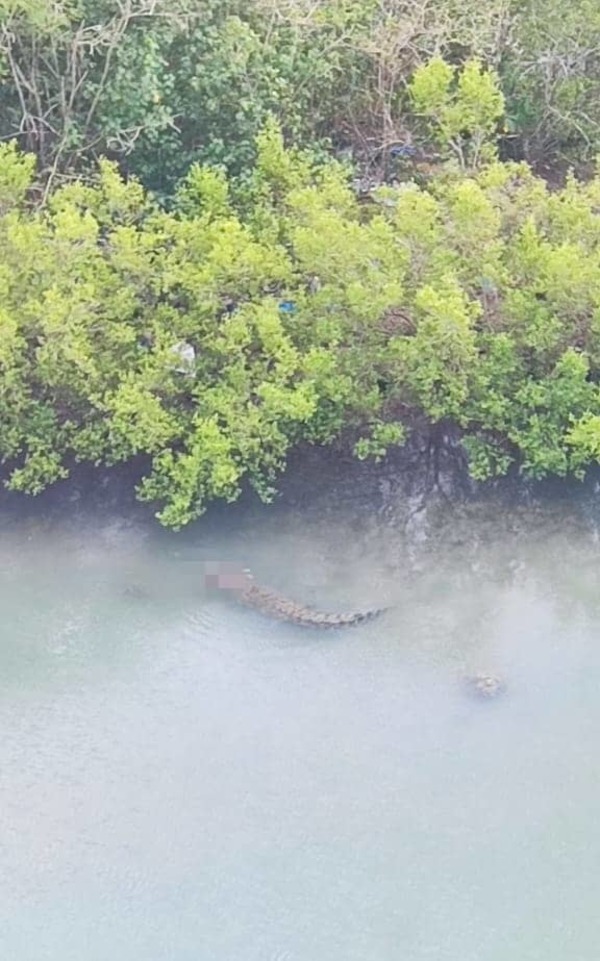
<point>319,619</point>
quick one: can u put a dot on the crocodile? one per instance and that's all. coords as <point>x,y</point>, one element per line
<point>242,584</point>
<point>268,601</point>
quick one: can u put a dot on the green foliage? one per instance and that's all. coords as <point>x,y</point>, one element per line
<point>437,360</point>
<point>382,437</point>
<point>551,79</point>
<point>584,437</point>
<point>16,176</point>
<point>463,108</point>
<point>160,86</point>
<point>210,339</point>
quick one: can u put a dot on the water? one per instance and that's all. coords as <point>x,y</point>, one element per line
<point>181,780</point>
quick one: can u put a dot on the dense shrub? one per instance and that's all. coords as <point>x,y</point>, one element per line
<point>213,337</point>
<point>161,84</point>
<point>550,69</point>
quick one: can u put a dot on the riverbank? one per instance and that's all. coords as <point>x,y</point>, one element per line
<point>425,478</point>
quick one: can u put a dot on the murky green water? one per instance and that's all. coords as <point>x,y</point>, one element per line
<point>181,780</point>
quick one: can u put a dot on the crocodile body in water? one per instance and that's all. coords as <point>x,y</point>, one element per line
<point>269,602</point>
<point>241,583</point>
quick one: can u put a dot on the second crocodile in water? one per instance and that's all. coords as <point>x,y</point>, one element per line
<point>267,601</point>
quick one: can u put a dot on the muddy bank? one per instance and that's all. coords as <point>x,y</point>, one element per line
<point>427,476</point>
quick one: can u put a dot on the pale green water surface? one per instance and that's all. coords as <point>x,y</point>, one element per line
<point>181,780</point>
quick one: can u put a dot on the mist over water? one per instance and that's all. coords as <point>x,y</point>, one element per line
<point>183,779</point>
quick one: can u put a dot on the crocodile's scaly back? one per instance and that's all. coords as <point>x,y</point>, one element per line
<point>276,605</point>
<point>269,602</point>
